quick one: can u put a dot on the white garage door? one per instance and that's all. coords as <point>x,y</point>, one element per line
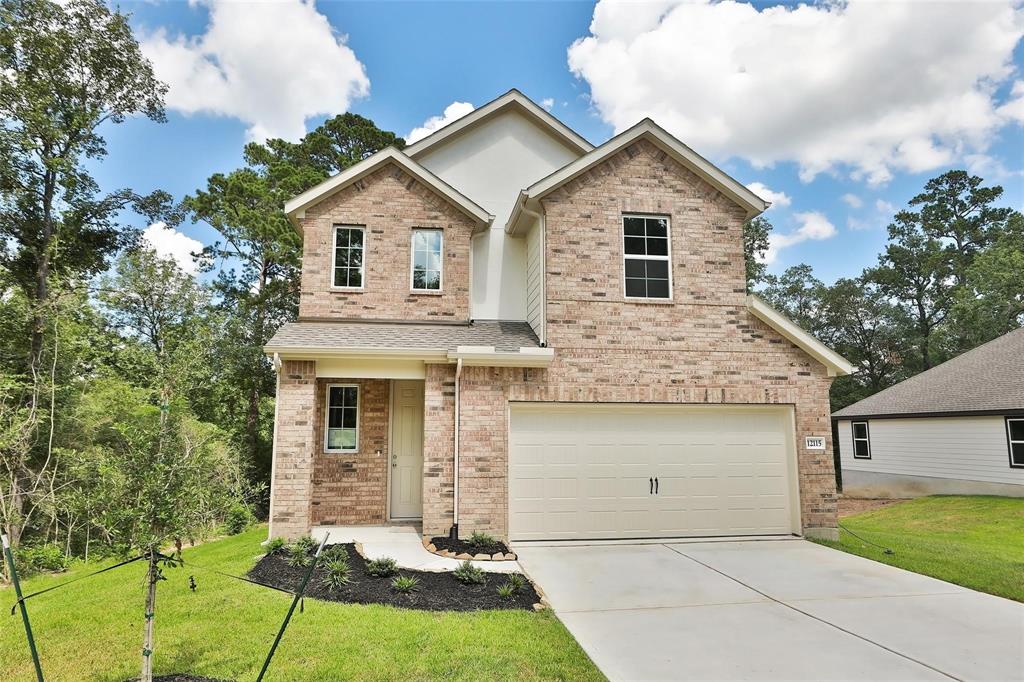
<point>638,471</point>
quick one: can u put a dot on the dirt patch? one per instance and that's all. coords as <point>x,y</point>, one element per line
<point>463,547</point>
<point>848,506</point>
<point>436,591</point>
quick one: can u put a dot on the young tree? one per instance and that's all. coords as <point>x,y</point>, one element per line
<point>755,246</point>
<point>797,294</point>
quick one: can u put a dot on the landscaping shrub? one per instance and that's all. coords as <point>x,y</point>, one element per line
<point>238,518</point>
<point>405,584</point>
<point>468,574</point>
<point>48,557</point>
<point>276,545</point>
<point>481,540</point>
<point>306,542</point>
<point>338,572</point>
<point>335,553</point>
<point>381,568</point>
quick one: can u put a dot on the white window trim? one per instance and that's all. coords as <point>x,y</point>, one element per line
<point>327,419</point>
<point>412,261</point>
<point>866,439</point>
<point>334,255</point>
<point>1010,442</point>
<point>668,258</point>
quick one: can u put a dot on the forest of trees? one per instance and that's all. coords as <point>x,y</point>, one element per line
<point>136,404</point>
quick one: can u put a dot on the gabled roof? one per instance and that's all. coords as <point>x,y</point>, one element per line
<point>295,208</point>
<point>649,130</point>
<point>836,363</point>
<point>986,380</point>
<point>511,99</point>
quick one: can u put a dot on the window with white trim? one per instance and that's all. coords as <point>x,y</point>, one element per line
<point>646,254</point>
<point>427,267</point>
<point>861,441</point>
<point>349,256</point>
<point>1015,441</point>
<point>341,431</point>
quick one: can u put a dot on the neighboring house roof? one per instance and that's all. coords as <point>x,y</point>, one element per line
<point>493,342</point>
<point>296,208</point>
<point>986,380</point>
<point>649,130</point>
<point>833,361</point>
<point>511,99</point>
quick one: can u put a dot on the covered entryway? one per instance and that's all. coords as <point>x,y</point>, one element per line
<point>608,471</point>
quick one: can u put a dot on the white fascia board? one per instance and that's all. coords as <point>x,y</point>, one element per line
<point>662,139</point>
<point>520,219</point>
<point>486,356</point>
<point>837,365</point>
<point>295,208</point>
<point>511,98</point>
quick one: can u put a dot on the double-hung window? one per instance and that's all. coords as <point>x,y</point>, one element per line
<point>861,441</point>
<point>342,428</point>
<point>427,267</point>
<point>349,257</point>
<point>647,259</point>
<point>1015,440</point>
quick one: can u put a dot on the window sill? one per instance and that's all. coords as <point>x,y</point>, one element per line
<point>341,452</point>
<point>649,301</point>
<point>348,290</point>
<point>426,292</point>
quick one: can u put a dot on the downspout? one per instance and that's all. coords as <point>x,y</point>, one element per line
<point>542,226</point>
<point>453,533</point>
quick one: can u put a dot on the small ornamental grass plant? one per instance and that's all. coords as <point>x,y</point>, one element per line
<point>516,580</point>
<point>338,574</point>
<point>298,556</point>
<point>506,590</point>
<point>468,574</point>
<point>405,584</point>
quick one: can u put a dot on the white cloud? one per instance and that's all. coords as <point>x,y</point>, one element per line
<point>813,226</point>
<point>548,103</point>
<point>271,65</point>
<point>452,112</point>
<point>852,200</point>
<point>776,198</point>
<point>169,243</point>
<point>859,87</point>
<point>884,207</point>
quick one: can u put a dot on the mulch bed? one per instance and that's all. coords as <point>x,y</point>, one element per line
<point>463,547</point>
<point>437,591</point>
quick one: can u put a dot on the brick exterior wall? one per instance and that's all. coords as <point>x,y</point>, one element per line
<point>702,347</point>
<point>350,489</point>
<point>294,445</point>
<point>438,449</point>
<point>389,203</point>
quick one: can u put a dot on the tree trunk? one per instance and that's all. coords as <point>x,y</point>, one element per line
<point>147,638</point>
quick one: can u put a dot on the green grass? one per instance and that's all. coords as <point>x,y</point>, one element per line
<point>974,541</point>
<point>93,630</point>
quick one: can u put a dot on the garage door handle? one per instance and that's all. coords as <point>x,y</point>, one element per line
<point>655,485</point>
<point>652,486</point>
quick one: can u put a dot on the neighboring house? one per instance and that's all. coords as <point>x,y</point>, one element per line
<point>957,428</point>
<point>504,328</point>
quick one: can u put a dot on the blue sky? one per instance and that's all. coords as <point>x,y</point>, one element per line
<point>842,111</point>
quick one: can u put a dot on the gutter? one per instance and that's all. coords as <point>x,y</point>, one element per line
<point>453,533</point>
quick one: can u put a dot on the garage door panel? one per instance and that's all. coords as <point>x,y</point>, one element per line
<point>721,471</point>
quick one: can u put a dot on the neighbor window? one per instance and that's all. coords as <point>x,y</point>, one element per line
<point>342,418</point>
<point>1015,440</point>
<point>427,247</point>
<point>349,260</point>
<point>646,255</point>
<point>861,443</point>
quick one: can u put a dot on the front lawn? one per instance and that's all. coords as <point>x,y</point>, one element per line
<point>974,541</point>
<point>92,630</point>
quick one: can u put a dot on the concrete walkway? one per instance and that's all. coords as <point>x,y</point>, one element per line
<point>771,610</point>
<point>404,544</point>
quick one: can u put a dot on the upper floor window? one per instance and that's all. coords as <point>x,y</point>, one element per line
<point>1015,441</point>
<point>427,268</point>
<point>646,252</point>
<point>349,256</point>
<point>342,431</point>
<point>861,441</point>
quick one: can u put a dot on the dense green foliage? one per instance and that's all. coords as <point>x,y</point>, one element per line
<point>224,628</point>
<point>976,541</point>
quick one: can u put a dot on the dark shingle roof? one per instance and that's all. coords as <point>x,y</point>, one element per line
<point>989,378</point>
<point>503,335</point>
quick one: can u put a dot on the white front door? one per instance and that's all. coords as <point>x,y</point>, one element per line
<point>591,471</point>
<point>407,450</point>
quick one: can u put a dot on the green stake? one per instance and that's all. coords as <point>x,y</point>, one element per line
<point>291,609</point>
<point>24,611</point>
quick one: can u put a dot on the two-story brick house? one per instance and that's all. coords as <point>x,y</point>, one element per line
<point>505,328</point>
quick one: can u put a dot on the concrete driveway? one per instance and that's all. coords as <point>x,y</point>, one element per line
<point>771,610</point>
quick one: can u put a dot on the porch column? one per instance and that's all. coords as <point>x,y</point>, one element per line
<point>438,449</point>
<point>294,434</point>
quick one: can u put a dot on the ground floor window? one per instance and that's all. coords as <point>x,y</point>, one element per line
<point>342,429</point>
<point>1015,440</point>
<point>861,441</point>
